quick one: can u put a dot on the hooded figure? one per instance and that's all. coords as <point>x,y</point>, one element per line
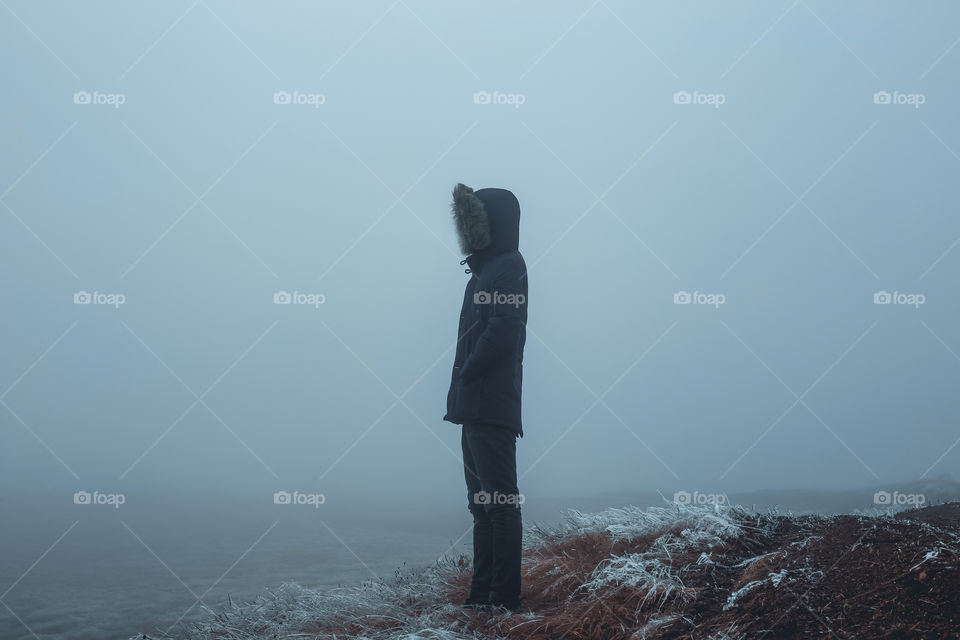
<point>488,368</point>
<point>485,387</point>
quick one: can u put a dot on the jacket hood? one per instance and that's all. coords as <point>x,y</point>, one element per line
<point>487,221</point>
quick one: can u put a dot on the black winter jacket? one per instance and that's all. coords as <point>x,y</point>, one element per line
<point>487,378</point>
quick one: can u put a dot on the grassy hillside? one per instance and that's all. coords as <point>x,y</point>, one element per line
<point>668,572</point>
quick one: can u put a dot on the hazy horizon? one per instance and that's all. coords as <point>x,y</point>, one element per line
<point>229,267</point>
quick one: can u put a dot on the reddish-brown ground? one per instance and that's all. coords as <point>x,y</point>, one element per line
<point>795,577</point>
<point>861,578</point>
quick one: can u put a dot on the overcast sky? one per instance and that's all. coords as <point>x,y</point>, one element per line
<point>782,163</point>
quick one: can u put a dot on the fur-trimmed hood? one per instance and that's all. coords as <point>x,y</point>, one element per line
<point>487,221</point>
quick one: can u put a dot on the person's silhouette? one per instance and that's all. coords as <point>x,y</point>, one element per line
<point>485,387</point>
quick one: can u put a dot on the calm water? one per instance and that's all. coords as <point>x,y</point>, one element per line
<point>116,572</point>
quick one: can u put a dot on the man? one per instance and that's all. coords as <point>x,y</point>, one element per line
<point>485,387</point>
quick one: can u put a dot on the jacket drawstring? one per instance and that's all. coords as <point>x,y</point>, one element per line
<point>463,262</point>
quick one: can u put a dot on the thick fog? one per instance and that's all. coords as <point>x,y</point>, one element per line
<point>787,170</point>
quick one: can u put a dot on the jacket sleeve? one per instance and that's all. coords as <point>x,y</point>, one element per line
<point>503,327</point>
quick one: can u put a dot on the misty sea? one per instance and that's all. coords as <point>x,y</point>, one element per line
<point>81,572</point>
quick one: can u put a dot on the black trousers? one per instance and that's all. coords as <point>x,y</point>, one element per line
<point>490,468</point>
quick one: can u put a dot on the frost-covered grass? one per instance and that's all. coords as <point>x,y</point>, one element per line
<point>626,573</point>
<point>774,578</point>
<point>698,523</point>
<point>412,605</point>
<point>418,604</point>
<point>684,534</point>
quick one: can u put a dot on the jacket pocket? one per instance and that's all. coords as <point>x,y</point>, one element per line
<point>470,402</point>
